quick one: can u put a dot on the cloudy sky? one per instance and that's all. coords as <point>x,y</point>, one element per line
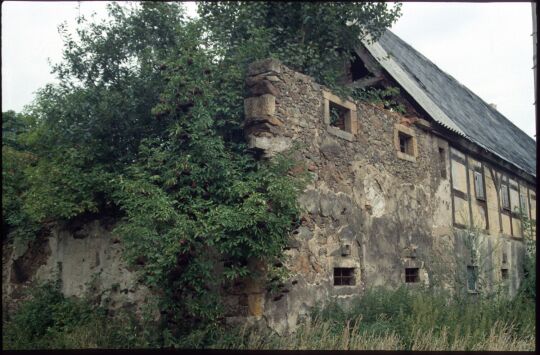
<point>486,46</point>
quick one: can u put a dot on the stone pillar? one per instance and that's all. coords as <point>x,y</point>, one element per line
<point>261,128</point>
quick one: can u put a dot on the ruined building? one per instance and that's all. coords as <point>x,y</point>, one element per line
<point>431,195</point>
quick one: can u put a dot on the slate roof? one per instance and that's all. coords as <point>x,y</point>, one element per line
<point>453,105</point>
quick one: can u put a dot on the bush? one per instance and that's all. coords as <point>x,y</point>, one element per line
<point>48,320</point>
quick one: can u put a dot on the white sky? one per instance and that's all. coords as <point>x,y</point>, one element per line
<point>487,47</point>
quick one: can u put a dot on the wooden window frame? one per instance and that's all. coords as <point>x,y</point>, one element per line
<point>505,192</point>
<point>478,180</point>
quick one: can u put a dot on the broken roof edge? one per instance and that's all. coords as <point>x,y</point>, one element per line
<point>413,89</point>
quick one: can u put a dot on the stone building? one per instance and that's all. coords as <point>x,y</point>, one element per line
<point>434,195</point>
<point>428,196</point>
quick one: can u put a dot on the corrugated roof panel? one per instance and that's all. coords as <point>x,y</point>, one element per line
<point>453,105</point>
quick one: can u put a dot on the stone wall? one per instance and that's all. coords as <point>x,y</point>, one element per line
<point>393,210</point>
<point>87,262</point>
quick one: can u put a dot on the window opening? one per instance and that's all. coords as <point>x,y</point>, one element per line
<point>344,276</point>
<point>504,258</point>
<point>472,277</point>
<point>523,205</point>
<point>505,197</point>
<point>504,274</point>
<point>442,162</point>
<point>412,275</point>
<point>358,69</point>
<point>479,186</point>
<point>405,143</point>
<point>338,115</point>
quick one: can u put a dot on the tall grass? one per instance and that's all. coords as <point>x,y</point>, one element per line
<point>380,320</point>
<point>405,320</point>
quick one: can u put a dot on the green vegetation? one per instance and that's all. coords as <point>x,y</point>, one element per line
<point>380,320</point>
<point>145,125</point>
<point>388,97</point>
<point>48,320</point>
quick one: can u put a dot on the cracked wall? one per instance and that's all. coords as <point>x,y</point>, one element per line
<point>393,208</point>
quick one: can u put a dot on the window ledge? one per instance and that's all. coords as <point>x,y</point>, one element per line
<point>407,157</point>
<point>340,133</point>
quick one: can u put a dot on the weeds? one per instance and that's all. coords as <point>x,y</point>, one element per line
<point>380,320</point>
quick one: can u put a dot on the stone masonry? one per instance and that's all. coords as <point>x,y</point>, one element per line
<point>370,207</point>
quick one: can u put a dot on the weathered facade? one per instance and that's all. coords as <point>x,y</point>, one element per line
<point>395,199</point>
<point>421,198</point>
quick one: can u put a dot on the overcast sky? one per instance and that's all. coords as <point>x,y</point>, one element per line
<point>487,47</point>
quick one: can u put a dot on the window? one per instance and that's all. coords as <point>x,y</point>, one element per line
<point>412,275</point>
<point>504,258</point>
<point>340,116</point>
<point>505,197</point>
<point>472,277</point>
<point>405,142</point>
<point>442,162</point>
<point>523,205</point>
<point>504,274</point>
<point>344,276</point>
<point>479,186</point>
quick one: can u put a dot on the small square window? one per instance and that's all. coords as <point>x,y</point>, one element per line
<point>472,277</point>
<point>479,186</point>
<point>405,143</point>
<point>344,276</point>
<point>338,114</point>
<point>412,275</point>
<point>504,274</point>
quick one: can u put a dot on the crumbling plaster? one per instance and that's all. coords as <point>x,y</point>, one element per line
<point>394,212</point>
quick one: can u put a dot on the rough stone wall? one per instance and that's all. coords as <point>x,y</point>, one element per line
<point>87,263</point>
<point>393,212</point>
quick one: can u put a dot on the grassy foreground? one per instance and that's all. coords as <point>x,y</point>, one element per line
<point>381,320</point>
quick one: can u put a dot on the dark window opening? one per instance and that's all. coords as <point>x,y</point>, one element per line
<point>442,162</point>
<point>412,274</point>
<point>358,69</point>
<point>504,274</point>
<point>344,276</point>
<point>504,258</point>
<point>472,277</point>
<point>405,143</point>
<point>505,197</point>
<point>479,186</point>
<point>337,115</point>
